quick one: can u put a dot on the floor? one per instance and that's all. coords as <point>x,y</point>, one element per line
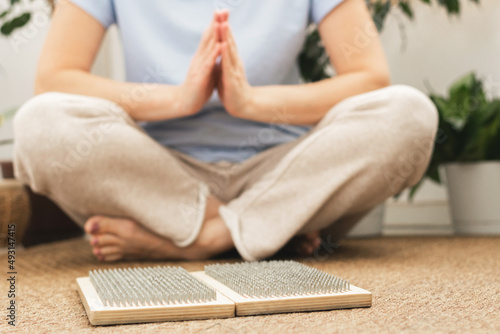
<point>431,284</point>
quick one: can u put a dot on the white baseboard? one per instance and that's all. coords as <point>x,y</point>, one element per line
<point>417,218</point>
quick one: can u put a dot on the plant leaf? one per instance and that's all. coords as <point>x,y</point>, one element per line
<point>452,6</point>
<point>5,13</point>
<point>17,22</point>
<point>407,10</point>
<point>379,13</point>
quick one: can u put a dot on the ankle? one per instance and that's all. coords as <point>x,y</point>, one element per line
<point>214,238</point>
<point>212,208</point>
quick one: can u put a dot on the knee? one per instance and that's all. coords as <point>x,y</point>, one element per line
<point>412,112</point>
<point>33,113</point>
<point>414,121</point>
<point>32,121</point>
<point>36,123</point>
<point>51,120</point>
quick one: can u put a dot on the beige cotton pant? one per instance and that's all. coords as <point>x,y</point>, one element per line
<point>91,158</point>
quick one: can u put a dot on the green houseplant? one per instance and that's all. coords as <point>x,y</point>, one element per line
<point>466,155</point>
<point>314,66</point>
<point>469,126</point>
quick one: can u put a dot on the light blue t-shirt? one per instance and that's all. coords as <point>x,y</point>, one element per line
<point>161,36</point>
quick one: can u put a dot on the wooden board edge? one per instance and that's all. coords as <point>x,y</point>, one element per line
<point>244,306</point>
<point>83,299</point>
<point>224,308</point>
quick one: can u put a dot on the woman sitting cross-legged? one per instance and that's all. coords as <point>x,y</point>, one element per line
<point>212,142</point>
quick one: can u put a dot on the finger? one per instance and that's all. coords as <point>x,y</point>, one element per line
<point>222,15</point>
<point>226,62</point>
<point>209,34</point>
<point>232,44</point>
<point>218,79</point>
<point>228,38</point>
<point>227,53</point>
<point>222,32</point>
<point>207,50</point>
<point>215,54</point>
<point>218,33</point>
<point>208,63</point>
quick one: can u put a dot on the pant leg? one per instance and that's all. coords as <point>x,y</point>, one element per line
<point>366,149</point>
<point>90,157</point>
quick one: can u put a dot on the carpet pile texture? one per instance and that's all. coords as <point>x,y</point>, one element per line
<point>431,284</point>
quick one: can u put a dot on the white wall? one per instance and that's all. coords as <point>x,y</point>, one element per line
<point>442,48</point>
<point>438,50</point>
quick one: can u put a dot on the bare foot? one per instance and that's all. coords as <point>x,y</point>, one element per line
<point>306,244</point>
<point>113,239</point>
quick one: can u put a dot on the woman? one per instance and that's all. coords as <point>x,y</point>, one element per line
<point>212,143</point>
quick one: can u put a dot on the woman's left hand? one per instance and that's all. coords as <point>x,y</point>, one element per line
<point>232,85</point>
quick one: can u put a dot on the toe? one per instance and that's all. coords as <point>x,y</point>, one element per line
<point>92,225</point>
<point>111,253</point>
<point>103,240</point>
<point>110,250</point>
<point>116,226</point>
<point>96,251</point>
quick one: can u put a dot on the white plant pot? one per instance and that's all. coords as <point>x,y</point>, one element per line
<point>371,225</point>
<point>474,193</point>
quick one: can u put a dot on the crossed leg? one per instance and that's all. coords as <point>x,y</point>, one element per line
<point>152,189</point>
<point>114,239</point>
<point>168,213</point>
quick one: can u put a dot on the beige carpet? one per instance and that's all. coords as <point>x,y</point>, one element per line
<point>418,285</point>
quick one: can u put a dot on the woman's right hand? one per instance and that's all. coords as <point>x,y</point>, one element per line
<point>68,55</point>
<point>199,84</point>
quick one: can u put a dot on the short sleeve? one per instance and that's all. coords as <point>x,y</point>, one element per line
<point>320,8</point>
<point>102,10</point>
